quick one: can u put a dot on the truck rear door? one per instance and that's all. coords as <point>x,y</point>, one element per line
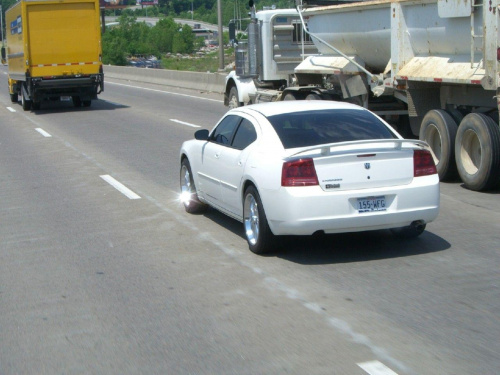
<point>64,38</point>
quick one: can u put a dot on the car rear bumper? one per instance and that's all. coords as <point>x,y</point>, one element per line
<point>306,210</point>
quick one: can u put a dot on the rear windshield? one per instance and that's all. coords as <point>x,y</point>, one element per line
<point>310,128</point>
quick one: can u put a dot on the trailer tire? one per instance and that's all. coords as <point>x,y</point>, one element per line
<point>439,130</point>
<point>233,98</point>
<point>14,98</point>
<point>477,150</point>
<point>314,96</point>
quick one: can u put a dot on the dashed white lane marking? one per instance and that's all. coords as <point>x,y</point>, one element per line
<point>376,368</point>
<point>11,109</point>
<point>164,92</point>
<point>185,123</point>
<point>120,187</point>
<point>43,132</point>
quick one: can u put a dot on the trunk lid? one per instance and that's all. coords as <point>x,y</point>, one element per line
<point>363,165</point>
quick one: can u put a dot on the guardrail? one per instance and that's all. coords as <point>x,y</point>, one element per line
<point>211,82</point>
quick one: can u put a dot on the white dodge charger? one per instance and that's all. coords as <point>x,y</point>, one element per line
<point>305,167</point>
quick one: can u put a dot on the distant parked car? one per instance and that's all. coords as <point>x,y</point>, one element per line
<point>303,167</point>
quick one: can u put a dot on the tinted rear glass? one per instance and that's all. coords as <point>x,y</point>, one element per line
<point>312,128</point>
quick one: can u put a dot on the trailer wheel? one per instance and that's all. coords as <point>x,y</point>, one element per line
<point>313,96</point>
<point>14,98</point>
<point>439,130</point>
<point>477,151</point>
<point>233,98</point>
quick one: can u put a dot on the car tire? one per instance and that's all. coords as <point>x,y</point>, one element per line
<point>477,151</point>
<point>189,196</point>
<point>439,130</point>
<point>410,231</point>
<point>257,232</point>
<point>233,98</point>
<point>86,103</point>
<point>14,98</point>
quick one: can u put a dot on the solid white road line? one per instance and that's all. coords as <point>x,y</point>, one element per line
<point>43,132</point>
<point>185,123</point>
<point>120,187</point>
<point>11,109</point>
<point>164,92</point>
<point>376,368</point>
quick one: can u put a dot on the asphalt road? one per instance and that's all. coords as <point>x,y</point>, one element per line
<point>93,282</point>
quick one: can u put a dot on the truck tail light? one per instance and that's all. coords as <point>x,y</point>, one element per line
<point>423,163</point>
<point>299,172</point>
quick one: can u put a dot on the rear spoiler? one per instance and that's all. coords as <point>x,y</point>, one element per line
<point>328,149</point>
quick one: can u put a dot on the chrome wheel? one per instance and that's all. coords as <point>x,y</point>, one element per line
<point>259,236</point>
<point>188,196</point>
<point>251,219</point>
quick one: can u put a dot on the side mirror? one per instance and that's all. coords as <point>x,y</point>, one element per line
<point>201,135</point>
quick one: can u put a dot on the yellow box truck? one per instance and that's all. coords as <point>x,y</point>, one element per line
<point>54,51</point>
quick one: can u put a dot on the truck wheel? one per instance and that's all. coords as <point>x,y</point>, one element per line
<point>290,96</point>
<point>233,98</point>
<point>439,130</point>
<point>26,104</point>
<point>77,102</point>
<point>477,150</point>
<point>14,98</point>
<point>87,103</point>
<point>257,231</point>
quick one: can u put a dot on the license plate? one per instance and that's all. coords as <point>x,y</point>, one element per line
<point>371,204</point>
<point>65,98</point>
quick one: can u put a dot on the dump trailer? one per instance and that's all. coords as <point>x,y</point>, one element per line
<point>54,51</point>
<point>428,67</point>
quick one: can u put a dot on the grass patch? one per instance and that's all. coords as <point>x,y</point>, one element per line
<point>195,63</point>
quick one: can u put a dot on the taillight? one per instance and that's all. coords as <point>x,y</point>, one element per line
<point>299,173</point>
<point>423,163</point>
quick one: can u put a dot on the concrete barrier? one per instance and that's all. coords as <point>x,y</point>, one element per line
<point>211,82</point>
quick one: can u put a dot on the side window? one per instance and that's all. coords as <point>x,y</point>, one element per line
<point>245,135</point>
<point>223,133</point>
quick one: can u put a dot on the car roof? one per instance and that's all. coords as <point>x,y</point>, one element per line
<point>293,106</point>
